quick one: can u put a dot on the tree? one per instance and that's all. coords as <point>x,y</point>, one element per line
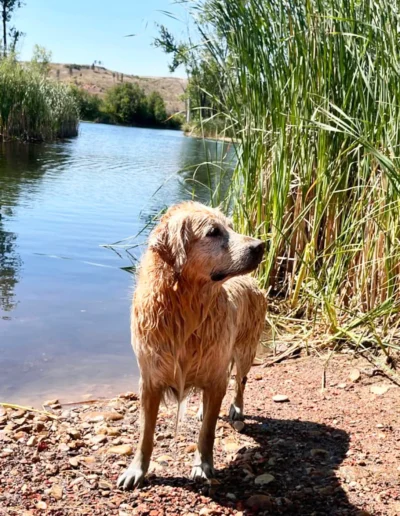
<point>156,111</point>
<point>89,105</point>
<point>7,10</point>
<point>127,104</point>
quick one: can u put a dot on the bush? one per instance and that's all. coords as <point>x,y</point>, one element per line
<point>89,105</point>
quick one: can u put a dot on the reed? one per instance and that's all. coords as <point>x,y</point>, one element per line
<point>311,93</point>
<point>33,108</point>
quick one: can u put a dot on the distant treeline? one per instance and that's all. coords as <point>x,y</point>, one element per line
<point>125,104</point>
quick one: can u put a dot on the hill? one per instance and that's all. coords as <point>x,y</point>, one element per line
<point>98,80</point>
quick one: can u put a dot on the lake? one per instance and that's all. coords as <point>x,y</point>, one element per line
<point>65,299</point>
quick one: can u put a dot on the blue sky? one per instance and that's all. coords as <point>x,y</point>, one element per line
<point>81,31</point>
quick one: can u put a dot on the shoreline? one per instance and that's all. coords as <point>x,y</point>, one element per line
<point>319,452</point>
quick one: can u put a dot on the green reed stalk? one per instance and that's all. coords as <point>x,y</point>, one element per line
<point>33,108</point>
<point>311,94</point>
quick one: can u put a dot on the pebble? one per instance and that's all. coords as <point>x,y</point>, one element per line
<point>41,505</point>
<point>380,389</point>
<point>49,403</point>
<point>32,441</point>
<point>98,439</point>
<point>105,485</point>
<point>191,448</point>
<point>354,375</point>
<point>74,462</point>
<point>264,479</point>
<point>280,398</point>
<point>74,433</point>
<point>56,491</point>
<point>238,426</point>
<point>259,502</point>
<point>123,449</point>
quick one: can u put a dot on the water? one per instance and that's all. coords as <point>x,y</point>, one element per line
<point>64,299</point>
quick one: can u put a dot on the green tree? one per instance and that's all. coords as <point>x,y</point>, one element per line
<point>156,108</point>
<point>89,105</point>
<point>7,10</point>
<point>127,104</point>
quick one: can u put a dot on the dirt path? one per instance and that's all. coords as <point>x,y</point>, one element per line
<point>330,453</point>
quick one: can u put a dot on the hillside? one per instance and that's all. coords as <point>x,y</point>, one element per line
<point>99,80</point>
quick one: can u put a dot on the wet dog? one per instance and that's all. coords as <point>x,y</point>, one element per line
<point>195,313</point>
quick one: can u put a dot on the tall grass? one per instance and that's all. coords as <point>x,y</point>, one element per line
<point>311,90</point>
<point>33,108</point>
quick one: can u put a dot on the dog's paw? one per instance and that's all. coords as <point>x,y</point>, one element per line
<point>202,471</point>
<point>236,413</point>
<point>132,477</point>
<point>199,414</point>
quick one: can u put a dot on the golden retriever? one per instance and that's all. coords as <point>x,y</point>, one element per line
<point>194,315</point>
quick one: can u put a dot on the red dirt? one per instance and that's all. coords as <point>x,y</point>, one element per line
<point>330,453</point>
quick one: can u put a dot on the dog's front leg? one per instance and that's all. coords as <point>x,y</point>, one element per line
<point>203,463</point>
<point>134,475</point>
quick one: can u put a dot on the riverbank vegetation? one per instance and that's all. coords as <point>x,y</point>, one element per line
<point>33,108</point>
<point>125,104</point>
<point>309,90</point>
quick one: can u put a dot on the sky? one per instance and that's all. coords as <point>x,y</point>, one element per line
<point>82,31</point>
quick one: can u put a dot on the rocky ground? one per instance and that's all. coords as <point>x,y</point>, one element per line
<point>304,452</point>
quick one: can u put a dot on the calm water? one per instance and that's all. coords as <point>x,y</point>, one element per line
<point>64,299</point>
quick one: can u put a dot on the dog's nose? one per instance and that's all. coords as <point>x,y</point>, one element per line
<point>257,249</point>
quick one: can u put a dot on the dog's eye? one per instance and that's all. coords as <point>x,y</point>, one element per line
<point>214,232</point>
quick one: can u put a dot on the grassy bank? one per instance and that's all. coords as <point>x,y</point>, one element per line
<point>33,108</point>
<point>310,91</point>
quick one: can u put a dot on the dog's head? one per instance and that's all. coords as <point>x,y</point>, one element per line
<point>199,243</point>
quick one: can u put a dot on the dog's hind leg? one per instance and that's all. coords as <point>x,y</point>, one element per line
<point>203,463</point>
<point>243,363</point>
<point>150,402</point>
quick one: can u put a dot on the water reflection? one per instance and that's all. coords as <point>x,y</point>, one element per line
<point>64,299</point>
<point>19,164</point>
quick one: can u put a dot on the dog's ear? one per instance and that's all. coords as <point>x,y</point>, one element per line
<point>170,241</point>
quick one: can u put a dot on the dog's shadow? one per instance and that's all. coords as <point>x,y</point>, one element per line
<point>301,458</point>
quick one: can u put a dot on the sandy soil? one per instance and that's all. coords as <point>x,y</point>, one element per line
<point>331,452</point>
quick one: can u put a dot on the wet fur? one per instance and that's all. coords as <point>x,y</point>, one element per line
<point>187,330</point>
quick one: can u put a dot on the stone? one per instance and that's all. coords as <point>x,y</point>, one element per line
<point>259,502</point>
<point>49,403</point>
<point>56,491</point>
<point>379,389</point>
<point>123,449</point>
<point>105,485</point>
<point>238,426</point>
<point>96,417</point>
<point>41,506</point>
<point>98,439</point>
<point>74,433</point>
<point>354,375</point>
<point>191,448</point>
<point>264,479</point>
<point>280,398</point>
<point>74,462</point>
<point>32,441</point>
